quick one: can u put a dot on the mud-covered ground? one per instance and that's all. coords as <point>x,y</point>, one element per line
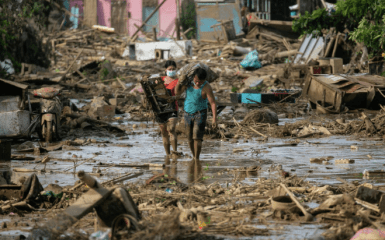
<point>223,163</point>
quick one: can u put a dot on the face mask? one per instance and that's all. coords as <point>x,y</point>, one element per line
<point>171,73</point>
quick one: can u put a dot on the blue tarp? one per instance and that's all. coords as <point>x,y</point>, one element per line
<point>251,60</point>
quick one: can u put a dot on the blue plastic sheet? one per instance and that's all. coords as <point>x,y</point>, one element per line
<point>251,60</point>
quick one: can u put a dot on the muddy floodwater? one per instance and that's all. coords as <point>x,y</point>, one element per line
<point>144,145</point>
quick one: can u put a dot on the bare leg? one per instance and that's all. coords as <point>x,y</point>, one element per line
<point>171,127</point>
<point>190,171</point>
<point>167,165</point>
<point>197,148</point>
<point>197,170</point>
<point>191,145</point>
<point>174,164</point>
<point>190,138</point>
<point>165,137</point>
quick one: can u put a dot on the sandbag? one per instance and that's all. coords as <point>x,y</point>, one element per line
<point>185,74</point>
<point>48,92</point>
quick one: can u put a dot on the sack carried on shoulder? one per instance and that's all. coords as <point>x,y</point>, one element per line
<point>186,73</point>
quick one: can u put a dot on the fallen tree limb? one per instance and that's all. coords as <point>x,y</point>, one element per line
<point>263,135</point>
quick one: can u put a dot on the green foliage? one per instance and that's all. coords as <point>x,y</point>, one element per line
<point>14,23</point>
<point>257,88</point>
<point>188,20</point>
<point>371,27</point>
<point>372,35</point>
<point>357,9</point>
<point>364,19</point>
<point>234,89</point>
<point>316,21</point>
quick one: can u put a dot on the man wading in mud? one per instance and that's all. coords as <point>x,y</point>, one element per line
<point>198,93</point>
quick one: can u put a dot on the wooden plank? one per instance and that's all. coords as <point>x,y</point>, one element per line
<point>118,18</point>
<point>87,202</point>
<point>287,44</point>
<point>90,12</point>
<point>272,22</point>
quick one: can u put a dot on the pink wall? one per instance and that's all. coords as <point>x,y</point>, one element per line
<point>167,15</point>
<point>104,13</point>
<point>135,8</point>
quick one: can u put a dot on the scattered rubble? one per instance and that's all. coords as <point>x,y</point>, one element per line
<point>271,88</point>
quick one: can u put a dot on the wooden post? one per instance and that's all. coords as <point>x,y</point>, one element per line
<point>177,20</point>
<point>177,27</point>
<point>154,34</point>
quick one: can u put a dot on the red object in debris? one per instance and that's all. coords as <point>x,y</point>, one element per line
<point>285,174</point>
<point>317,70</point>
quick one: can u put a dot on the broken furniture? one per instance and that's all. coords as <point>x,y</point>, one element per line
<point>110,205</point>
<point>14,118</point>
<point>370,198</point>
<point>334,93</point>
<point>158,96</point>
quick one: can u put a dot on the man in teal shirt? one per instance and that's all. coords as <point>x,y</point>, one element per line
<point>198,94</point>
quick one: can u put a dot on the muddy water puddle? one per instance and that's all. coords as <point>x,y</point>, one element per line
<point>218,155</point>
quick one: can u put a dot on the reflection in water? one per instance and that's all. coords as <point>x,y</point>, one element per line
<point>194,171</point>
<point>171,171</point>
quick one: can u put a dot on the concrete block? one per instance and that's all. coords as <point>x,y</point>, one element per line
<point>9,103</point>
<point>146,51</point>
<point>337,65</point>
<point>14,124</point>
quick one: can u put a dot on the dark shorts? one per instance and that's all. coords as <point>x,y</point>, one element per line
<point>195,124</point>
<point>163,118</point>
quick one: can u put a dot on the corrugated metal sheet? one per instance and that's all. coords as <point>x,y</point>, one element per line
<point>311,47</point>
